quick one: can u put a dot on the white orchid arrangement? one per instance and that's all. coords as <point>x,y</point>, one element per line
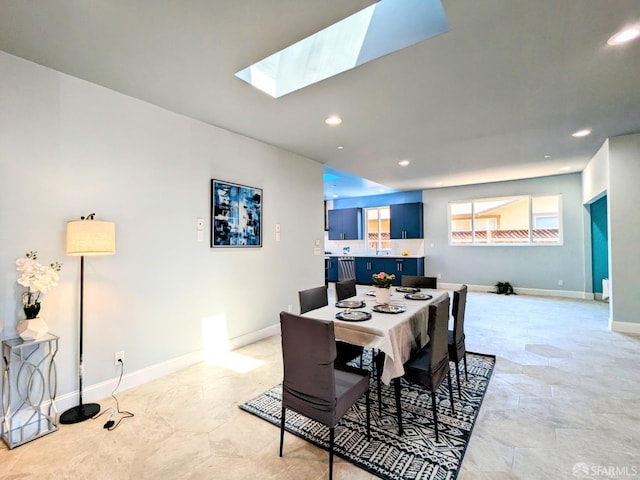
<point>36,277</point>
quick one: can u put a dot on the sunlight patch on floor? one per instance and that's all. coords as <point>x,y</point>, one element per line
<point>217,350</point>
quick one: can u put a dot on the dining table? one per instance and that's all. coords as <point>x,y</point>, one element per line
<point>396,334</point>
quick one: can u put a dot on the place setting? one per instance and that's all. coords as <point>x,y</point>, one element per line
<point>407,289</point>
<point>349,315</point>
<point>389,308</point>
<point>418,296</point>
<point>351,304</point>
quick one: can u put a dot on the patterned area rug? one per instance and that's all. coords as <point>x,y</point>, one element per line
<point>414,455</point>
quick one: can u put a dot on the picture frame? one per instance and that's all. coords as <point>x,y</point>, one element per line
<point>236,215</point>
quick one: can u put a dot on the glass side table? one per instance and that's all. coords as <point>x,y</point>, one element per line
<point>29,383</point>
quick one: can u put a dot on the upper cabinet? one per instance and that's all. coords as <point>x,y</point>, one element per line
<point>345,224</point>
<point>407,221</point>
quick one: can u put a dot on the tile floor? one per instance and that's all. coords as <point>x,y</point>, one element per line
<point>564,402</point>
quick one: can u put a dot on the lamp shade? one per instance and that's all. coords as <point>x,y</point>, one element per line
<point>91,237</point>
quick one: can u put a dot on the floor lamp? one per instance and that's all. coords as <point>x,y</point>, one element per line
<point>86,237</point>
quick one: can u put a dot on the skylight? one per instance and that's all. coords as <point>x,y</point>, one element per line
<point>371,33</point>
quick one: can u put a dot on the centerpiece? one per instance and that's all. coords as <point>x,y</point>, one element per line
<point>382,283</point>
<point>38,279</point>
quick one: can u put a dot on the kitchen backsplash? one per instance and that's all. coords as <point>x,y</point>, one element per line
<point>415,247</point>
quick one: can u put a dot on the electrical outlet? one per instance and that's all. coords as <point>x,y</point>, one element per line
<point>117,356</point>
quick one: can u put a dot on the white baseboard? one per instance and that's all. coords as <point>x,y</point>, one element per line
<point>625,327</point>
<point>99,391</point>
<point>523,291</point>
<point>253,337</point>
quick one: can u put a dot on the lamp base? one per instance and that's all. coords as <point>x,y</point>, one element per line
<point>79,413</point>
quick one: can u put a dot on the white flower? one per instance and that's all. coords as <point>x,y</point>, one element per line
<point>36,277</point>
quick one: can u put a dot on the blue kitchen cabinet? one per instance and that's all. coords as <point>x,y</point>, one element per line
<point>409,266</point>
<point>363,271</point>
<point>345,224</point>
<point>407,220</point>
<point>367,266</point>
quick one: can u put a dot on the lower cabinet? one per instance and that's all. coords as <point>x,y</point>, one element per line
<point>367,266</point>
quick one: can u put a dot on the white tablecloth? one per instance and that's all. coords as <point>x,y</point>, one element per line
<point>394,334</point>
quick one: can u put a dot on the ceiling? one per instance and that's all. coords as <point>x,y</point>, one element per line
<point>508,84</point>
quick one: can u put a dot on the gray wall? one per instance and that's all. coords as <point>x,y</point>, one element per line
<point>533,267</point>
<point>69,148</point>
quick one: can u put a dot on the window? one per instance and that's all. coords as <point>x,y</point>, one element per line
<point>375,31</point>
<point>378,228</point>
<point>521,220</point>
<point>545,212</point>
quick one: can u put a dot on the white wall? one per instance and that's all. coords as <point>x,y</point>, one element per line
<point>615,171</point>
<point>595,176</point>
<point>624,232</point>
<point>529,267</point>
<point>69,148</point>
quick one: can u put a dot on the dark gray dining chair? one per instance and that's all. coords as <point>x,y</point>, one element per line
<point>430,365</point>
<point>346,289</point>
<point>312,385</point>
<point>418,281</point>
<point>313,298</point>
<point>346,351</point>
<point>456,340</point>
<point>317,297</point>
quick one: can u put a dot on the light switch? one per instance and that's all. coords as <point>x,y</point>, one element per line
<point>278,237</point>
<point>200,235</point>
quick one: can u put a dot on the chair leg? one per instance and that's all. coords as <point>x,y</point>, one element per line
<point>379,382</point>
<point>450,392</point>
<point>378,375</point>
<point>331,432</point>
<point>434,410</point>
<point>464,357</point>
<point>282,417</point>
<point>397,387</point>
<point>457,362</point>
<point>368,417</point>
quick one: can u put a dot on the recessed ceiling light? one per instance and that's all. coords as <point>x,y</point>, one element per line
<point>565,168</point>
<point>381,190</point>
<point>547,156</point>
<point>624,36</point>
<point>335,196</point>
<point>581,133</point>
<point>404,163</point>
<point>340,147</point>
<point>438,183</point>
<point>333,120</point>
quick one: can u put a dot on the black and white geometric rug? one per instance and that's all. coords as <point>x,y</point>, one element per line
<point>414,455</point>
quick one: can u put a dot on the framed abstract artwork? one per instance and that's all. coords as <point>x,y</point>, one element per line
<point>236,215</point>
